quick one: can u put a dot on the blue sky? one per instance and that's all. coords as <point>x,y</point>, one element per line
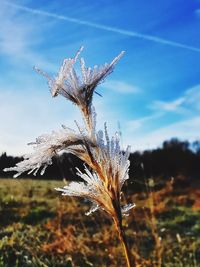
<point>154,92</point>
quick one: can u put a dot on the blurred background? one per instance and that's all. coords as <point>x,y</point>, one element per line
<point>152,99</point>
<point>154,90</point>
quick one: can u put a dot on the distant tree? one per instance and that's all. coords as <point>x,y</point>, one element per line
<point>7,161</point>
<point>196,146</point>
<point>176,144</point>
<point>173,158</point>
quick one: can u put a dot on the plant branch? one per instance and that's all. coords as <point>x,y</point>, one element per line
<point>131,262</point>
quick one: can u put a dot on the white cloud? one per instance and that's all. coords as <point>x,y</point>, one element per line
<point>26,115</point>
<point>184,130</point>
<point>188,105</point>
<point>19,37</point>
<point>190,100</point>
<point>120,86</point>
<point>192,97</point>
<point>174,105</point>
<point>197,12</point>
<point>136,124</point>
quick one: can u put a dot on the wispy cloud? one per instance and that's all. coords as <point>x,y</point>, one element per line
<point>121,86</point>
<point>187,104</point>
<point>169,106</point>
<point>197,12</point>
<point>190,100</point>
<point>192,97</point>
<point>18,39</point>
<point>26,115</point>
<point>136,124</point>
<point>105,27</point>
<point>184,130</point>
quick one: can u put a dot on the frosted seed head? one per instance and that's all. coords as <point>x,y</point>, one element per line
<point>125,210</point>
<point>108,163</point>
<point>94,208</point>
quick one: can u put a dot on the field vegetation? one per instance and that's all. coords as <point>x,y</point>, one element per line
<point>40,228</point>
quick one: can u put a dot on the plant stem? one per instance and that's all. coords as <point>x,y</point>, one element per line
<point>123,240</point>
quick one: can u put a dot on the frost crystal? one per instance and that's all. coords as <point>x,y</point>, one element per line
<point>107,166</point>
<point>110,163</point>
<point>79,90</point>
<point>127,208</point>
<point>48,145</point>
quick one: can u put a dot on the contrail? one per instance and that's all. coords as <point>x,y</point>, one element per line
<point>104,27</point>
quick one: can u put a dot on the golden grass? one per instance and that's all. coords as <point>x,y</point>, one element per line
<point>52,230</point>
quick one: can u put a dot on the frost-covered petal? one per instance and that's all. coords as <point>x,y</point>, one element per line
<point>125,209</point>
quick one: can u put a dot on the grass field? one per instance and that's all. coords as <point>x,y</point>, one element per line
<point>38,227</point>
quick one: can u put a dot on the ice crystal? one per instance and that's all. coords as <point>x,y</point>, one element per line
<point>107,165</point>
<point>108,162</point>
<point>48,145</point>
<point>79,90</point>
<point>127,208</point>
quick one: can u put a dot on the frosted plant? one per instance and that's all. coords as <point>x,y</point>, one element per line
<point>79,91</point>
<point>107,165</point>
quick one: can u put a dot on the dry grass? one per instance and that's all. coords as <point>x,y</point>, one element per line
<point>41,228</point>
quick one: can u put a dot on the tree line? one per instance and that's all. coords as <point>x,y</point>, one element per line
<point>173,158</point>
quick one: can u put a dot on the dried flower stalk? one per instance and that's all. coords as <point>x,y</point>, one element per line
<point>107,165</point>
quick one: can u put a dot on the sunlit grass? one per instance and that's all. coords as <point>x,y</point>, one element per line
<point>38,227</point>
